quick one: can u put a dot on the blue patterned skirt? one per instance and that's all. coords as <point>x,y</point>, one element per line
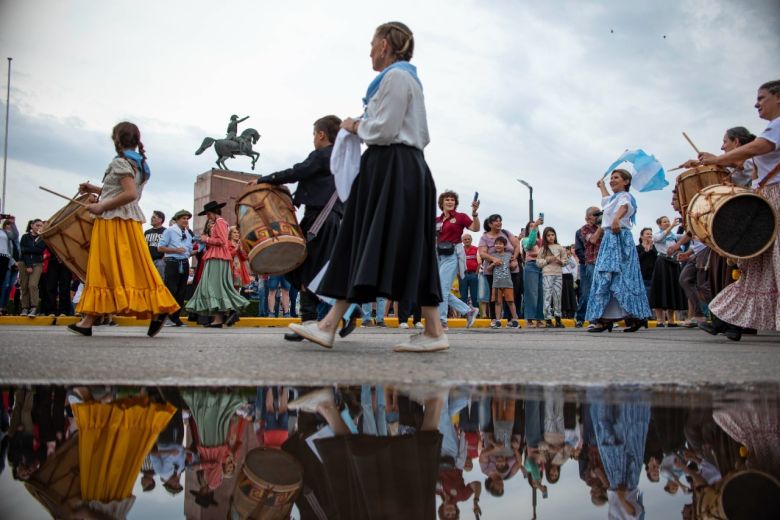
<point>617,280</point>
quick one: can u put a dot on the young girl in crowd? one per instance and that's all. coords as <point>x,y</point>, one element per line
<point>666,295</point>
<point>551,259</point>
<point>121,276</point>
<point>648,255</point>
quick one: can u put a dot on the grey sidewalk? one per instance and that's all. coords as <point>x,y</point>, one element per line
<point>250,356</point>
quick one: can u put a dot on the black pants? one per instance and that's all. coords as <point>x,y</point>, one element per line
<point>176,274</point>
<point>58,278</point>
<point>309,303</point>
<point>406,309</point>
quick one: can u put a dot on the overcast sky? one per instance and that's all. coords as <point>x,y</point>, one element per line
<point>548,92</point>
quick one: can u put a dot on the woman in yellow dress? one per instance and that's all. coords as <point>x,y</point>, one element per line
<point>121,278</point>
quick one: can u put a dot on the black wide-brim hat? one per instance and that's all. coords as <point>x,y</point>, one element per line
<point>211,206</point>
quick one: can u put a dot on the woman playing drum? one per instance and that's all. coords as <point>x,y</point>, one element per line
<point>386,243</point>
<point>752,302</point>
<point>121,276</point>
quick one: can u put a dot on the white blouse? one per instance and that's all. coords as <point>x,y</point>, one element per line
<point>610,206</point>
<point>768,161</point>
<point>396,113</point>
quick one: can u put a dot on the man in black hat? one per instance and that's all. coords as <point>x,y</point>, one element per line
<point>316,190</point>
<point>176,245</point>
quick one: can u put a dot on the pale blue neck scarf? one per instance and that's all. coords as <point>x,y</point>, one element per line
<point>374,85</point>
<point>139,162</point>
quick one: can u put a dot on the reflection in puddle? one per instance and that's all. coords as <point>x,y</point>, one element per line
<point>360,452</point>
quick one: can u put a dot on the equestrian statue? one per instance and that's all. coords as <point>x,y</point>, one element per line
<point>233,144</point>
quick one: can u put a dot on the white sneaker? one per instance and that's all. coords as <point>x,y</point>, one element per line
<point>471,316</point>
<point>422,343</point>
<point>403,325</point>
<point>33,313</point>
<point>419,325</point>
<point>311,401</point>
<point>24,312</point>
<point>312,332</point>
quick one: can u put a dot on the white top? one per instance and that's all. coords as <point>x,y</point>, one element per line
<point>5,244</point>
<point>396,113</point>
<point>662,242</point>
<point>697,246</point>
<point>112,187</point>
<point>571,267</point>
<point>742,176</point>
<point>769,160</point>
<point>610,208</point>
<point>618,512</point>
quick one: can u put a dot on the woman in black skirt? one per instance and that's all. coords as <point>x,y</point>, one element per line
<point>386,245</point>
<point>666,295</point>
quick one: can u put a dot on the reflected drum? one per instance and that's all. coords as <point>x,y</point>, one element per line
<point>57,483</point>
<point>268,485</point>
<point>741,495</point>
<point>734,222</point>
<point>270,230</point>
<point>690,182</point>
<point>67,234</point>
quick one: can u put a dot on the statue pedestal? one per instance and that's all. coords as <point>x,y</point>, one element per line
<point>218,185</point>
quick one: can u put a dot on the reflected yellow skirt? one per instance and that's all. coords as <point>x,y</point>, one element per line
<point>114,439</point>
<point>121,277</point>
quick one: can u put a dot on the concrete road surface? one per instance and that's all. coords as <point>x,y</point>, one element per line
<point>252,356</point>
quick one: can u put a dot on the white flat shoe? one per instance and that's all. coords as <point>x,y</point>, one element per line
<point>422,343</point>
<point>311,401</point>
<point>312,332</point>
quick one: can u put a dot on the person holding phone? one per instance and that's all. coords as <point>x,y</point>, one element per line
<point>450,226</point>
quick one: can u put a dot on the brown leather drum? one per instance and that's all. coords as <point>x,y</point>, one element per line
<point>67,234</point>
<point>268,485</point>
<point>57,483</point>
<point>734,222</point>
<point>690,182</point>
<point>741,495</point>
<point>270,230</point>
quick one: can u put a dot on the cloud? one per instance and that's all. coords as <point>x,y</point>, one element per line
<point>551,93</point>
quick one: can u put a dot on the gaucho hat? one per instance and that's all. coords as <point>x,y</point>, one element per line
<point>211,206</point>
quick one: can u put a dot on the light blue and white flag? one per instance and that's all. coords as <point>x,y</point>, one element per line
<point>648,174</point>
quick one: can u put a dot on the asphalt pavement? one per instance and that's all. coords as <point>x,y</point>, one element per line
<point>253,356</point>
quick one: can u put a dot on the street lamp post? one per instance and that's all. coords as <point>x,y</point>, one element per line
<point>530,199</point>
<point>5,147</point>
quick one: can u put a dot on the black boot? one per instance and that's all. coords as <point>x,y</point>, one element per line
<point>558,324</point>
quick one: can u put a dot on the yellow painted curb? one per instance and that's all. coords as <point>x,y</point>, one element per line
<point>248,322</point>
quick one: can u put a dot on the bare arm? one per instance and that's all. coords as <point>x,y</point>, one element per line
<point>759,146</point>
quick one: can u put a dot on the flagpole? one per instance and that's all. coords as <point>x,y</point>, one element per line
<point>5,147</point>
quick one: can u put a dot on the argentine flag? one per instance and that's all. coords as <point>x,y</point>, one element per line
<point>648,174</point>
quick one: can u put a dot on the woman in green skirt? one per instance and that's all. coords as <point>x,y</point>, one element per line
<point>215,295</point>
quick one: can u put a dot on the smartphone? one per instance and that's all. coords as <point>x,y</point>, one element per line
<point>541,215</point>
<point>476,196</point>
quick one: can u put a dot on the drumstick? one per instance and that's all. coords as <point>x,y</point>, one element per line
<point>691,143</point>
<point>63,196</point>
<point>229,179</point>
<point>675,169</point>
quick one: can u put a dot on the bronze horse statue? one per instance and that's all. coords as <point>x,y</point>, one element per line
<point>229,148</point>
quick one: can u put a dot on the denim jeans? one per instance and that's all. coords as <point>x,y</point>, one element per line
<point>469,287</point>
<point>453,404</point>
<point>380,310</point>
<point>8,282</point>
<point>533,292</point>
<point>374,421</point>
<point>586,279</point>
<point>448,270</point>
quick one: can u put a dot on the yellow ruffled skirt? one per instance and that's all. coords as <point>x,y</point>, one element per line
<point>114,439</point>
<point>121,277</point>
